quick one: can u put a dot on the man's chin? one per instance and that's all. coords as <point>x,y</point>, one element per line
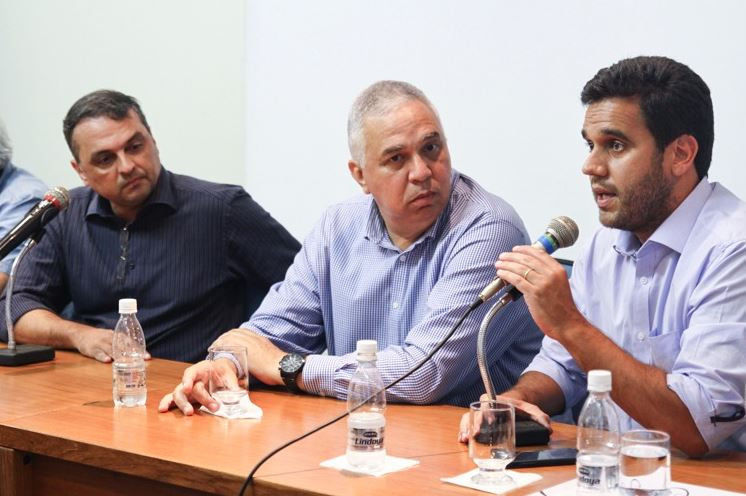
<point>608,219</point>
<point>134,199</point>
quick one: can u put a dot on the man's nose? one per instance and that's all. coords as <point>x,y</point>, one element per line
<point>420,170</point>
<point>126,164</point>
<point>594,166</point>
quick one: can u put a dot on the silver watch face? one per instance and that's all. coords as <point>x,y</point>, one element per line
<point>291,362</point>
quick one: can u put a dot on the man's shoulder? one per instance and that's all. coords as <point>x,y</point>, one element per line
<point>722,219</point>
<point>202,188</point>
<point>353,209</point>
<point>471,203</point>
<point>339,221</point>
<point>21,185</point>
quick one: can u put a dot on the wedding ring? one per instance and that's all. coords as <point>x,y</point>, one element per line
<point>525,274</point>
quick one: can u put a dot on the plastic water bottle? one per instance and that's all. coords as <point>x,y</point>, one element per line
<point>128,348</point>
<point>366,425</point>
<point>598,438</point>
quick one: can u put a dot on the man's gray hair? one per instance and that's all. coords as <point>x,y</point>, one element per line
<point>377,100</point>
<point>6,151</point>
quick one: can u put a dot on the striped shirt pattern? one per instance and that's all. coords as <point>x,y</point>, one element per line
<point>350,282</point>
<point>195,258</point>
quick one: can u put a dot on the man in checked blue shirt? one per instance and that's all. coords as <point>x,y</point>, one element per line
<point>399,264</point>
<point>658,297</point>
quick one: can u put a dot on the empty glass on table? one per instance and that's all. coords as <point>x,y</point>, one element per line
<point>492,441</point>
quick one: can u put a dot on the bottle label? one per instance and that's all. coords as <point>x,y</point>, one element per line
<point>366,431</point>
<point>597,473</point>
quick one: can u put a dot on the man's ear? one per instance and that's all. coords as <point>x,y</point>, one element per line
<point>356,171</point>
<point>683,152</point>
<point>79,171</point>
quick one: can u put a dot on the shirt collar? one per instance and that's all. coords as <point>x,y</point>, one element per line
<point>675,230</point>
<point>162,194</point>
<point>375,228</point>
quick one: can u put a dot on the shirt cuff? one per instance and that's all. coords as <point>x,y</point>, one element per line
<point>701,408</point>
<point>240,373</point>
<point>319,375</point>
<point>567,381</point>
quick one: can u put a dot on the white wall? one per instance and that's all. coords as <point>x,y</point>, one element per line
<point>505,76</point>
<point>276,77</point>
<point>183,59</point>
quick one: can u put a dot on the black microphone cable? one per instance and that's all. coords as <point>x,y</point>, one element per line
<point>422,362</point>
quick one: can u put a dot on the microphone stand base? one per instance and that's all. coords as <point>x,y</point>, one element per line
<point>25,354</point>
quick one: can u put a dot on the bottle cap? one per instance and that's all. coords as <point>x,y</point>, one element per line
<point>367,349</point>
<point>128,305</point>
<point>599,381</point>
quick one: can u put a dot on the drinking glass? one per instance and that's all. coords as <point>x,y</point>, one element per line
<point>228,394</point>
<point>645,463</point>
<point>492,441</point>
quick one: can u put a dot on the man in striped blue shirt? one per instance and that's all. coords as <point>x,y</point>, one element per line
<point>198,256</point>
<point>399,264</point>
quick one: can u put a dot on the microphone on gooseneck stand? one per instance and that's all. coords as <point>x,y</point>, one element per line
<point>30,227</point>
<point>560,233</point>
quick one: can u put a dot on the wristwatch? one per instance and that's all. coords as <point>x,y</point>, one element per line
<point>290,368</point>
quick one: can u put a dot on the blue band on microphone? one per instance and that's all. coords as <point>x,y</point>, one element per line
<point>548,243</point>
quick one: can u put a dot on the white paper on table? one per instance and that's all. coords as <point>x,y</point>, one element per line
<point>520,478</point>
<point>391,464</point>
<point>248,410</point>
<point>569,488</point>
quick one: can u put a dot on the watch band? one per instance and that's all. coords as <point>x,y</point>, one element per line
<point>292,384</point>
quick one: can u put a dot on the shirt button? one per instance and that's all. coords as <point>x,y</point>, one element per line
<point>644,281</point>
<point>395,304</point>
<point>641,336</point>
<point>403,258</point>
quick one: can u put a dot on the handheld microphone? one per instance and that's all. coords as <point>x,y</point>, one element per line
<point>54,201</point>
<point>560,233</point>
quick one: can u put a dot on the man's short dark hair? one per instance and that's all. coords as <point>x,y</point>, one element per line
<point>106,103</point>
<point>673,99</point>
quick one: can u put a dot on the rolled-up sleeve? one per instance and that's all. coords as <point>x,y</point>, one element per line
<point>40,281</point>
<point>709,374</point>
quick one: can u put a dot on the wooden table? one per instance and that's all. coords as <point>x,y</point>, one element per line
<point>60,434</point>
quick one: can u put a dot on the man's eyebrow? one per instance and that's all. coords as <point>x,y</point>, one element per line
<point>136,136</point>
<point>429,136</point>
<point>608,131</point>
<point>392,149</point>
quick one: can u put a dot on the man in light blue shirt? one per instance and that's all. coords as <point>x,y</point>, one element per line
<point>19,191</point>
<point>660,292</point>
<point>400,264</point>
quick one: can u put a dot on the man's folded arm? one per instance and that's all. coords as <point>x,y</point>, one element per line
<point>40,294</point>
<point>41,326</point>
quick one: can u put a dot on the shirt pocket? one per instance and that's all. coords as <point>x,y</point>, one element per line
<point>664,349</point>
